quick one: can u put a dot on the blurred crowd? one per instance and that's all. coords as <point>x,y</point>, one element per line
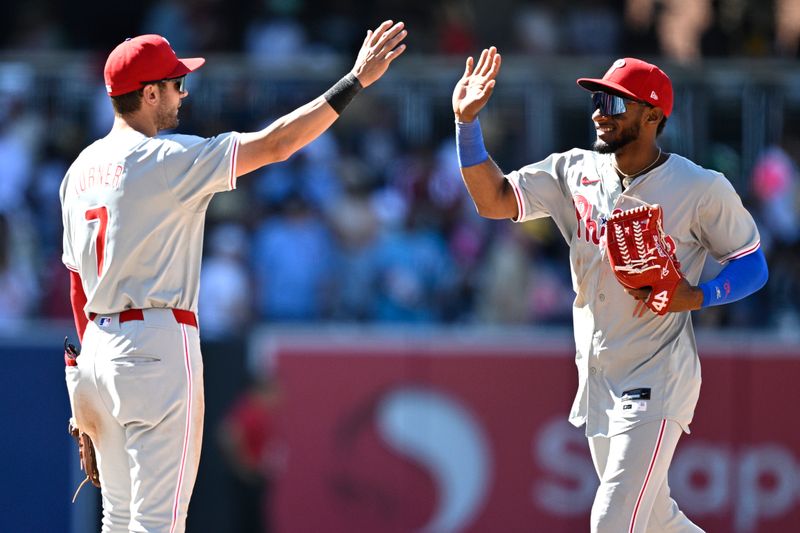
<point>364,225</point>
<point>685,30</point>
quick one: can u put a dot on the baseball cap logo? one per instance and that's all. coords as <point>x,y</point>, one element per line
<point>619,63</point>
<point>653,95</point>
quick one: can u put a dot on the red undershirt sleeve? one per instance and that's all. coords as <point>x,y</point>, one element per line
<point>78,299</point>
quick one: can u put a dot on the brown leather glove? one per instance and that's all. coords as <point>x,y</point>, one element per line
<point>87,457</point>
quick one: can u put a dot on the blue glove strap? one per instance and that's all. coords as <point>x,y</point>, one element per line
<point>469,144</point>
<point>741,277</point>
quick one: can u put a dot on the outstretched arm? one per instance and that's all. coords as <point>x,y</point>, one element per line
<point>282,138</point>
<point>490,191</point>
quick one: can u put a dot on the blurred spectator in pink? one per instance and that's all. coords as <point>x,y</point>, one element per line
<point>775,186</point>
<point>774,183</point>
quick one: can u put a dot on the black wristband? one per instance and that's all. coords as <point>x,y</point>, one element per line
<point>343,92</point>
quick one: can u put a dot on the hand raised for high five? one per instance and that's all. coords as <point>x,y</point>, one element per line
<point>475,86</point>
<point>380,47</point>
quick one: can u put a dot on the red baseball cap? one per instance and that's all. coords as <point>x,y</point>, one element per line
<point>146,58</point>
<point>635,79</point>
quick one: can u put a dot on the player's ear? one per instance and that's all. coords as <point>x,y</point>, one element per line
<point>150,93</point>
<point>654,115</point>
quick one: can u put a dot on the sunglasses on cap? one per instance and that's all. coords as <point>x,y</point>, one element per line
<point>611,105</point>
<point>180,83</point>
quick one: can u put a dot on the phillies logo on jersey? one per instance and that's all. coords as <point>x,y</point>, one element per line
<point>594,232</point>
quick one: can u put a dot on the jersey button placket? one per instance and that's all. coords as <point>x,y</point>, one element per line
<point>595,388</point>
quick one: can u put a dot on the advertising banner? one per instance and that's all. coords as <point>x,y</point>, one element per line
<point>444,434</point>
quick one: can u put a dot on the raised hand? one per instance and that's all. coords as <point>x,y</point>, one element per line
<point>475,87</point>
<point>380,47</point>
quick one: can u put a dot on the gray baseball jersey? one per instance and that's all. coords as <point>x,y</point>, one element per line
<point>134,210</point>
<point>633,369</point>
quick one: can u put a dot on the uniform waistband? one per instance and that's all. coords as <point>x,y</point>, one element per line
<point>181,316</point>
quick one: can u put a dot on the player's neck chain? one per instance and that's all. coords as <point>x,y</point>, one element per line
<point>628,178</point>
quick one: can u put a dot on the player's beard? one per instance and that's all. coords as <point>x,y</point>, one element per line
<point>625,137</point>
<point>167,117</point>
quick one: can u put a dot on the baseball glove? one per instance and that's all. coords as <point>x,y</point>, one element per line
<point>87,457</point>
<point>640,256</point>
<point>85,446</point>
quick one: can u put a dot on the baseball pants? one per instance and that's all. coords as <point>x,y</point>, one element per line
<point>138,392</point>
<point>633,496</point>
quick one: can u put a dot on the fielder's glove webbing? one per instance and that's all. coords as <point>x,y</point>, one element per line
<point>640,256</point>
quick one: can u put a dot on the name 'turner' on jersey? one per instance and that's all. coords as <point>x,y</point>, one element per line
<point>99,175</point>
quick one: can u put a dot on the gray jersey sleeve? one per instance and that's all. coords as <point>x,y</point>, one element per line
<point>724,226</point>
<point>539,190</point>
<point>195,167</point>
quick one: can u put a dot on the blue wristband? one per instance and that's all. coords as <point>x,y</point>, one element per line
<point>469,144</point>
<point>741,277</point>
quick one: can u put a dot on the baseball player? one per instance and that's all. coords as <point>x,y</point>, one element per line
<point>133,206</point>
<point>638,370</point>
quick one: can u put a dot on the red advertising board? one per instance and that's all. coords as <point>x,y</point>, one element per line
<point>442,434</point>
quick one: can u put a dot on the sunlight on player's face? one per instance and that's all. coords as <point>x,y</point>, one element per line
<point>622,138</point>
<point>626,129</point>
<point>167,114</point>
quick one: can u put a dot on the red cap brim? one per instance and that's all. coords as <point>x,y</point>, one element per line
<point>185,66</point>
<point>594,85</point>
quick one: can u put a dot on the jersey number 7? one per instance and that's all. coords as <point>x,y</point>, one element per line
<point>100,214</point>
